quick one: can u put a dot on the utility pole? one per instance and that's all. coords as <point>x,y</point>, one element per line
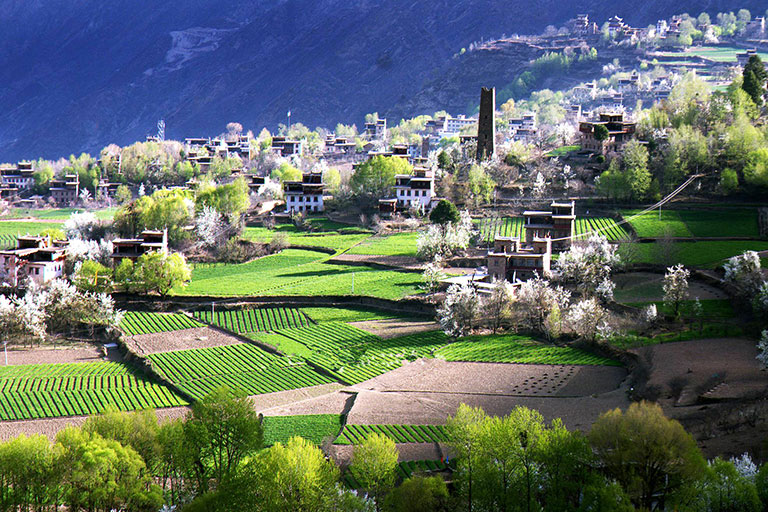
<point>289,120</point>
<point>213,317</point>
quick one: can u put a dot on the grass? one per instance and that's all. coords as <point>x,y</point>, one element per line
<point>602,225</point>
<point>355,434</point>
<point>136,322</point>
<point>713,53</point>
<point>254,319</point>
<point>709,254</point>
<point>711,308</point>
<point>399,244</point>
<point>727,222</point>
<point>74,389</point>
<point>299,272</point>
<point>313,427</point>
<point>242,367</point>
<point>563,150</point>
<point>58,213</point>
<point>17,227</point>
<point>329,237</point>
<point>692,332</point>
<point>350,314</point>
<point>517,349</point>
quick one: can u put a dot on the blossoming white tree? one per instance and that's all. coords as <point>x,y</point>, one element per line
<point>497,307</point>
<point>433,274</point>
<point>209,226</point>
<point>445,240</point>
<point>588,318</point>
<point>81,225</point>
<point>762,349</point>
<point>588,264</point>
<point>744,271</point>
<point>676,287</point>
<point>458,313</point>
<point>537,300</point>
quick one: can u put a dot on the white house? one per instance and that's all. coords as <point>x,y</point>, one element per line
<point>35,257</point>
<point>305,195</point>
<point>415,190</point>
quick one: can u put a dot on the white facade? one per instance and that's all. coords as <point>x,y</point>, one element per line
<point>300,202</point>
<point>415,191</point>
<point>454,125</point>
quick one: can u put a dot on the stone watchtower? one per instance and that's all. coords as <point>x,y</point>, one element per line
<point>486,125</point>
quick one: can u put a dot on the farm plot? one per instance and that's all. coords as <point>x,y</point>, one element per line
<point>74,389</point>
<point>516,349</point>
<point>404,470</point>
<point>255,320</point>
<point>139,322</point>
<point>7,241</point>
<point>399,244</point>
<point>717,223</point>
<point>241,367</point>
<point>605,226</point>
<point>312,427</point>
<point>353,434</point>
<point>351,354</point>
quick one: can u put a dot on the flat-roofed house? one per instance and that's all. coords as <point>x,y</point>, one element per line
<point>376,129</point>
<point>36,258</point>
<point>619,132</point>
<point>284,147</point>
<point>513,260</point>
<point>66,190</point>
<point>133,248</point>
<point>305,195</point>
<point>557,224</point>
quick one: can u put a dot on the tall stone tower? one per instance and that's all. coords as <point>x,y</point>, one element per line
<point>486,124</point>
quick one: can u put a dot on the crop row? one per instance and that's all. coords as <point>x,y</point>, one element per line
<point>138,322</point>
<point>353,434</point>
<point>501,226</point>
<point>313,427</point>
<point>7,241</point>
<point>255,320</point>
<point>404,470</point>
<point>44,371</point>
<point>70,383</point>
<point>50,404</point>
<point>603,225</point>
<point>241,367</point>
<point>512,349</point>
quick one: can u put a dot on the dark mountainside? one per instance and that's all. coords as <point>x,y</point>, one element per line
<point>78,74</point>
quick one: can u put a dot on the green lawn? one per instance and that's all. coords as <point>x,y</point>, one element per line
<point>15,227</point>
<point>697,254</point>
<point>299,272</point>
<point>727,222</point>
<point>348,314</point>
<point>58,213</point>
<point>331,240</point>
<point>313,427</point>
<point>399,244</point>
<point>563,150</point>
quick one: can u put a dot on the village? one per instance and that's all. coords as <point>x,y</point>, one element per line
<point>562,260</point>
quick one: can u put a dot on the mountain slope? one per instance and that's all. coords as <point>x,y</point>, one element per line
<point>79,74</point>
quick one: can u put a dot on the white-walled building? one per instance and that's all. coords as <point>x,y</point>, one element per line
<point>36,258</point>
<point>305,195</point>
<point>415,190</point>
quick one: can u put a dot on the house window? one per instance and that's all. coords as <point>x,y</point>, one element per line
<point>37,271</point>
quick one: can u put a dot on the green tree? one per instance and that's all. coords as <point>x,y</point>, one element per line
<point>754,76</point>
<point>761,483</point>
<point>729,181</point>
<point>652,457</point>
<point>165,209</point>
<point>42,175</point>
<point>419,494</point>
<point>374,464</point>
<point>138,430</point>
<point>286,172</point>
<point>463,428</point>
<point>30,473</point>
<point>160,272</point>
<point>231,200</point>
<point>444,161</point>
<point>376,177</point>
<point>92,276</point>
<point>444,213</point>
<point>637,175</point>
<point>601,132</point>
<point>123,194</point>
<point>124,275</point>
<point>725,490</point>
<point>756,170</point>
<point>220,432</point>
<point>480,185</point>
<point>332,180</point>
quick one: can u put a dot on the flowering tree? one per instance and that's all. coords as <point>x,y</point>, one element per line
<point>744,271</point>
<point>650,314</point>
<point>497,307</point>
<point>433,274</point>
<point>588,264</point>
<point>445,240</point>
<point>81,225</point>
<point>539,186</point>
<point>588,318</point>
<point>676,287</point>
<point>210,227</point>
<point>537,300</point>
<point>21,319</point>
<point>271,189</point>
<point>762,350</point>
<point>458,313</point>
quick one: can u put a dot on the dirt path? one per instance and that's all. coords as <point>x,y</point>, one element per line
<point>392,328</point>
<point>199,337</point>
<point>48,355</point>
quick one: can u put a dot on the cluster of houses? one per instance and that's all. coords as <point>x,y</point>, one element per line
<point>40,259</point>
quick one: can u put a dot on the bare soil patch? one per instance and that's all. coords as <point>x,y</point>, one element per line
<point>392,328</point>
<point>296,397</point>
<point>82,353</point>
<point>336,402</point>
<point>199,337</point>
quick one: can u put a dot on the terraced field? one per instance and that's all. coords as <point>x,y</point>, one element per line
<point>514,226</point>
<point>516,349</point>
<point>53,390</point>
<point>726,222</point>
<point>255,320</point>
<point>139,322</point>
<point>353,434</point>
<point>242,367</point>
<point>312,427</point>
<point>351,354</point>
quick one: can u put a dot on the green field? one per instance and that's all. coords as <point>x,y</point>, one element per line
<point>713,53</point>
<point>517,349</point>
<point>74,389</point>
<point>727,222</point>
<point>514,226</point>
<point>355,434</point>
<point>299,272</point>
<point>15,228</point>
<point>255,319</point>
<point>57,213</point>
<point>331,235</point>
<point>313,427</point>
<point>138,322</point>
<point>563,150</point>
<point>399,244</point>
<point>709,254</point>
<point>351,354</point>
<point>243,367</point>
<point>349,314</point>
